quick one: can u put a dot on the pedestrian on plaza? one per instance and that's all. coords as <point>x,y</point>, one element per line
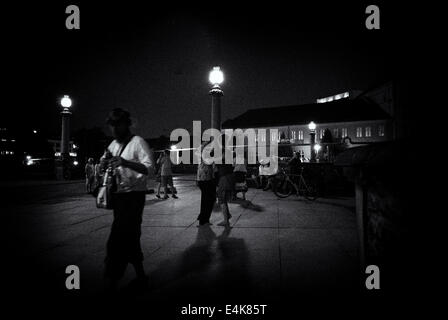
<point>158,179</point>
<point>294,163</point>
<point>98,173</point>
<point>206,183</point>
<point>90,175</point>
<point>268,172</point>
<point>224,192</point>
<point>166,174</point>
<point>132,163</point>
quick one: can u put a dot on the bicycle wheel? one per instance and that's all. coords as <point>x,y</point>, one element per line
<point>283,188</point>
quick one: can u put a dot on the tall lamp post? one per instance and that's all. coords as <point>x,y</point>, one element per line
<point>312,127</point>
<point>66,103</point>
<point>216,78</point>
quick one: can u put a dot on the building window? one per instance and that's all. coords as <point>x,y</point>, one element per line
<point>368,131</point>
<point>344,132</point>
<point>273,136</point>
<point>381,130</point>
<point>321,133</point>
<point>263,136</point>
<point>335,132</point>
<point>300,134</point>
<point>293,134</point>
<point>359,132</point>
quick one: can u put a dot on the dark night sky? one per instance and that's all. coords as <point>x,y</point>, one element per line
<point>155,61</point>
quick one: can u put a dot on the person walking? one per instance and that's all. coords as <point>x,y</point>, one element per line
<point>225,189</point>
<point>90,175</point>
<point>207,185</point>
<point>132,163</point>
<point>166,174</point>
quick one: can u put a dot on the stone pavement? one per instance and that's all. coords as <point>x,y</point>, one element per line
<point>274,246</point>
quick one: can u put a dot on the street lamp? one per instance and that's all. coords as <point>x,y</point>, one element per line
<point>66,103</point>
<point>216,77</point>
<point>312,127</point>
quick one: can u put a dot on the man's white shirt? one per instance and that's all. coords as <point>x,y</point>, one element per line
<point>137,150</point>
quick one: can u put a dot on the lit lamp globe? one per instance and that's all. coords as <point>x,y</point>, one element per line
<point>312,126</point>
<point>66,102</point>
<point>216,76</point>
<point>317,147</point>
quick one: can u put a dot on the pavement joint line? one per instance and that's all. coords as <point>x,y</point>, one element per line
<point>89,219</point>
<point>166,243</point>
<point>244,209</point>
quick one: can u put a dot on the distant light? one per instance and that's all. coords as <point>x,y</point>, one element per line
<point>34,131</point>
<point>29,162</point>
<point>173,147</point>
<point>312,126</point>
<point>317,147</point>
<point>75,146</point>
<point>66,102</point>
<point>216,76</point>
<point>75,163</point>
<point>73,154</point>
<point>28,157</point>
<point>334,97</point>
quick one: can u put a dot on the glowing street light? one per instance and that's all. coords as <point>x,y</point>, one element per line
<point>312,127</point>
<point>66,102</point>
<point>216,77</point>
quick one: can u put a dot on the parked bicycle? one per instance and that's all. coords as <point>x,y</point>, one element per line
<point>285,184</point>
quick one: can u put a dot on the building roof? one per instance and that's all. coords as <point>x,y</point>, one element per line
<point>343,110</point>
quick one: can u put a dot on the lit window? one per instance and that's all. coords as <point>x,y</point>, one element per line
<point>321,133</point>
<point>300,134</point>
<point>273,137</point>
<point>359,132</point>
<point>344,132</point>
<point>381,130</point>
<point>335,132</point>
<point>293,134</point>
<point>368,132</point>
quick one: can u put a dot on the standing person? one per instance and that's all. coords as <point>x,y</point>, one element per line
<point>132,162</point>
<point>206,184</point>
<point>239,172</point>
<point>268,173</point>
<point>98,173</point>
<point>263,174</point>
<point>166,174</point>
<point>225,189</point>
<point>90,175</point>
<point>158,179</point>
<point>294,163</point>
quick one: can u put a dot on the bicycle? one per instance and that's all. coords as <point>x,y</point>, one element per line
<point>284,185</point>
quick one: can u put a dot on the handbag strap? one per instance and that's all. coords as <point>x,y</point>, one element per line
<point>125,145</point>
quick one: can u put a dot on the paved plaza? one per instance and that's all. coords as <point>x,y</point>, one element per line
<point>273,246</point>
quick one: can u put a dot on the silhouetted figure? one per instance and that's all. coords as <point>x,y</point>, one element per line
<point>225,189</point>
<point>166,175</point>
<point>132,162</point>
<point>294,164</point>
<point>90,175</point>
<point>206,183</point>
